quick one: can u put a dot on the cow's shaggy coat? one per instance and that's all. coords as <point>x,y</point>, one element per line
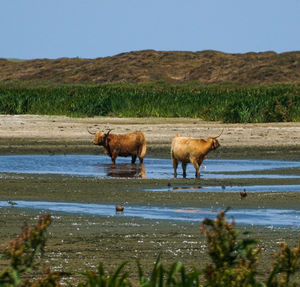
<point>131,144</point>
<point>190,150</point>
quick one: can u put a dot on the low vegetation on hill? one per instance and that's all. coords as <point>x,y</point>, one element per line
<point>204,67</point>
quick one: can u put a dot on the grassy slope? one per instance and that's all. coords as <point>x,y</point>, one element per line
<point>149,66</point>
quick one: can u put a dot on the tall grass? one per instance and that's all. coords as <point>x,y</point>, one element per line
<point>227,103</point>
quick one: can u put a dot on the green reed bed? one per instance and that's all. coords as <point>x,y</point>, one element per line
<point>227,103</point>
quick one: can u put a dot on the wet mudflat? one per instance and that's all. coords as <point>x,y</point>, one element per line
<point>77,242</point>
<point>80,240</point>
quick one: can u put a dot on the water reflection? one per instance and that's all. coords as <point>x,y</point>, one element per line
<point>186,188</point>
<point>125,170</point>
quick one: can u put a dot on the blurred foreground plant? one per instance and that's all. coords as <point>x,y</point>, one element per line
<point>175,276</point>
<point>21,253</point>
<point>286,263</point>
<point>102,279</point>
<point>233,262</point>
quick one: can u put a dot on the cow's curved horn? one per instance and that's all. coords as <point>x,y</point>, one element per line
<point>219,134</point>
<point>107,133</point>
<point>90,131</point>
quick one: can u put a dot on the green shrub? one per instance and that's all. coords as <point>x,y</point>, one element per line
<point>21,253</point>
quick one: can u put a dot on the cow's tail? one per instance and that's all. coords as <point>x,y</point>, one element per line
<point>172,153</point>
<point>143,148</point>
<point>172,150</point>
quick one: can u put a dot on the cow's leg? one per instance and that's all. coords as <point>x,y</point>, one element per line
<point>196,166</point>
<point>184,169</point>
<point>175,164</point>
<point>133,158</point>
<point>113,158</point>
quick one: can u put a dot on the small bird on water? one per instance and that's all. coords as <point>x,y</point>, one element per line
<point>120,208</point>
<point>12,203</point>
<point>243,193</point>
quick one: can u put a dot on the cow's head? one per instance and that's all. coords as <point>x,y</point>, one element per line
<point>101,137</point>
<point>214,142</point>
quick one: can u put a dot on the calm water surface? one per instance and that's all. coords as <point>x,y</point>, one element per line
<point>234,188</point>
<point>266,217</point>
<point>100,166</point>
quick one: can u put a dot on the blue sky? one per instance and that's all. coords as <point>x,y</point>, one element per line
<point>98,28</point>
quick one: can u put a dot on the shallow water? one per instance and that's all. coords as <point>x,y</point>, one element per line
<point>100,166</point>
<point>234,188</point>
<point>266,217</point>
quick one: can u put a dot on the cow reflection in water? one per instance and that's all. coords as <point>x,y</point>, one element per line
<point>126,170</point>
<point>186,188</point>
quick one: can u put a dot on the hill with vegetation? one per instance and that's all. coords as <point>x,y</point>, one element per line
<point>251,87</point>
<point>206,67</point>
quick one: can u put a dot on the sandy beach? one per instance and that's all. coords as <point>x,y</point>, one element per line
<point>33,133</point>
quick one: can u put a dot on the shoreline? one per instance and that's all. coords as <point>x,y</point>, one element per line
<point>60,134</point>
<point>32,146</point>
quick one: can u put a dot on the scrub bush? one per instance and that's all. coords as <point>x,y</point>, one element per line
<point>22,252</point>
